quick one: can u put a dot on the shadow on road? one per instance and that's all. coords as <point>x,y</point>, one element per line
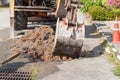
<point>14,65</point>
<point>92,46</point>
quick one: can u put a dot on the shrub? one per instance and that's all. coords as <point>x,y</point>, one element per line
<point>100,13</point>
<point>84,1</point>
<point>86,6</point>
<point>104,2</point>
<point>89,3</point>
<point>113,3</point>
<point>98,2</point>
<point>100,10</point>
<point>116,12</point>
<point>97,12</point>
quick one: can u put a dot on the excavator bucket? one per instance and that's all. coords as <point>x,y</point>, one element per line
<point>68,38</point>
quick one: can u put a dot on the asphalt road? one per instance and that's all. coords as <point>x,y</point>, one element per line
<point>84,69</point>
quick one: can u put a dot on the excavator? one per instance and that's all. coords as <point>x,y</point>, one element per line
<point>25,11</point>
<point>65,11</point>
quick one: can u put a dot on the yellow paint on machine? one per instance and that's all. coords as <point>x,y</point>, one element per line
<point>12,3</point>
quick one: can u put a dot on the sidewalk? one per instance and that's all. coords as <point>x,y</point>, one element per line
<point>4,18</point>
<point>4,24</point>
<point>106,27</point>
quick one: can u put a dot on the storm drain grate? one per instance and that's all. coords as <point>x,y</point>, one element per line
<point>11,74</point>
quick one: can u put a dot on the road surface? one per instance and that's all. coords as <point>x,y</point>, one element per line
<point>89,68</point>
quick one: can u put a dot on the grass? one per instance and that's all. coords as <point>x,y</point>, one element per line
<point>34,72</point>
<point>116,70</point>
<point>105,44</point>
<point>112,58</point>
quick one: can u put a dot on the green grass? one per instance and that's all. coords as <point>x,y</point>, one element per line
<point>34,72</point>
<point>112,58</point>
<point>116,70</point>
<point>105,44</point>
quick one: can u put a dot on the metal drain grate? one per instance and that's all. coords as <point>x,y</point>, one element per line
<point>11,74</point>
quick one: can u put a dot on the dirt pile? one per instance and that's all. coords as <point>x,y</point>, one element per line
<point>39,43</point>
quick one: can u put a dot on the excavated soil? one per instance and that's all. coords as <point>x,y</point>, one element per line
<point>39,43</point>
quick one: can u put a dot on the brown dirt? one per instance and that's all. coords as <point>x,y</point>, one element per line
<point>38,43</point>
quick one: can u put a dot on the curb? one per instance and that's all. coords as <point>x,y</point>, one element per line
<point>113,48</point>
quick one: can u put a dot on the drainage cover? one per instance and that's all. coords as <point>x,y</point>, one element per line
<point>12,74</point>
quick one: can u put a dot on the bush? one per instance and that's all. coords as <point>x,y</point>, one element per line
<point>113,3</point>
<point>97,12</point>
<point>117,12</point>
<point>98,2</point>
<point>84,1</point>
<point>110,15</point>
<point>100,13</point>
<point>89,3</point>
<point>86,6</point>
<point>99,9</point>
<point>104,2</point>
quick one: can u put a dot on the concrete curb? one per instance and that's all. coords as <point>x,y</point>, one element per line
<point>113,48</point>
